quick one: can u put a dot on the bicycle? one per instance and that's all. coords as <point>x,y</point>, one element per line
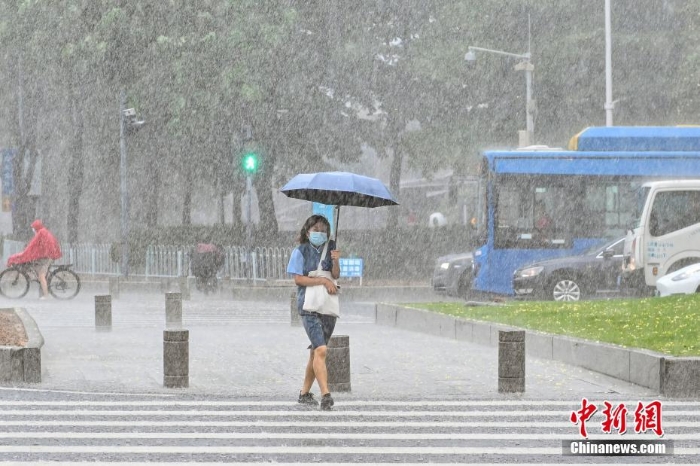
<point>62,282</point>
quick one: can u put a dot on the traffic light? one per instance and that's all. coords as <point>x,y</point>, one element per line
<point>250,163</point>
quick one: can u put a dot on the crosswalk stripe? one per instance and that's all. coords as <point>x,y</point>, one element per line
<point>293,450</point>
<point>170,463</point>
<point>308,413</point>
<point>319,436</point>
<point>424,424</point>
<point>483,403</point>
<point>306,450</point>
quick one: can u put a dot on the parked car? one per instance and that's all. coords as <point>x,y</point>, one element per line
<point>572,278</point>
<point>683,281</point>
<point>453,274</point>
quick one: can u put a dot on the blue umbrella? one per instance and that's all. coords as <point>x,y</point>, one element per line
<point>339,188</point>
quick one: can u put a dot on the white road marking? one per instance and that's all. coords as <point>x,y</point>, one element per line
<point>124,463</point>
<point>482,403</point>
<point>306,450</point>
<point>326,436</point>
<point>309,413</point>
<point>73,392</point>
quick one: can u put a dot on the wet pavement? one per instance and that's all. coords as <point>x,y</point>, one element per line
<point>250,349</point>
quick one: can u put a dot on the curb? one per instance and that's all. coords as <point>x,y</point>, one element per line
<point>266,292</point>
<point>677,377</point>
<point>20,364</point>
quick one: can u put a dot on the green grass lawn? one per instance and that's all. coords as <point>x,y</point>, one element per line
<point>668,325</point>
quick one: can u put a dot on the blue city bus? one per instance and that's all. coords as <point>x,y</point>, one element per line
<point>588,193</point>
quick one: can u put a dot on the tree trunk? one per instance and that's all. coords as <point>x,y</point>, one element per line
<point>263,187</point>
<point>24,209</point>
<point>395,173</point>
<point>76,170</point>
<point>24,162</point>
<point>394,185</point>
<point>222,213</point>
<point>236,208</point>
<point>152,196</point>
<point>187,202</point>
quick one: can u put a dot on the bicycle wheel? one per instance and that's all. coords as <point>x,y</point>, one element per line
<point>64,284</point>
<point>14,283</point>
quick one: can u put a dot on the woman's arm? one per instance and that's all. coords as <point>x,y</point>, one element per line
<point>335,267</point>
<point>303,280</point>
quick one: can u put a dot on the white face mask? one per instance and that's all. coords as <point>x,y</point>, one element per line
<point>33,230</point>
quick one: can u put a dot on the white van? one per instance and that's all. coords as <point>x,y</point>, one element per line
<point>666,235</point>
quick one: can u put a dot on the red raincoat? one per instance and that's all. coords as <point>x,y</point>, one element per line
<point>43,246</point>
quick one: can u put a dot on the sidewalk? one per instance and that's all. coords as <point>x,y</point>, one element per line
<point>249,349</point>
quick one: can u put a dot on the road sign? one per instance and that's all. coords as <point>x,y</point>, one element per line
<point>351,267</point>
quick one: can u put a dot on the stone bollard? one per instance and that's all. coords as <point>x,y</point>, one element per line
<point>103,312</point>
<point>114,287</point>
<point>176,358</point>
<point>338,363</point>
<point>511,361</point>
<point>294,311</point>
<point>173,310</point>
<point>184,288</point>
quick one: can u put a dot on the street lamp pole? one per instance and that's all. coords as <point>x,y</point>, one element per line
<point>525,65</point>
<point>609,104</point>
<point>123,187</point>
<point>127,122</point>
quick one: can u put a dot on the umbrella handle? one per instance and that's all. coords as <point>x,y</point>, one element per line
<point>337,221</point>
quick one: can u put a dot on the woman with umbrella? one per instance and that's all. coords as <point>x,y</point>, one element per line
<point>313,243</point>
<point>330,188</point>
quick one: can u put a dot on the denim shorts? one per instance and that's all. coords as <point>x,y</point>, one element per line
<point>319,328</point>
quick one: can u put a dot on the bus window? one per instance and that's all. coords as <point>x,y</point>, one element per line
<point>608,208</point>
<point>532,213</point>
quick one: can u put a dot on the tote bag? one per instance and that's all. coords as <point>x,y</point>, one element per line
<point>317,298</point>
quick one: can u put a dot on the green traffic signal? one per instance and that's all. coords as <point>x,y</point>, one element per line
<point>250,163</point>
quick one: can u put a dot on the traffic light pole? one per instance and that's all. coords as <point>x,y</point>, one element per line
<point>123,188</point>
<point>248,226</point>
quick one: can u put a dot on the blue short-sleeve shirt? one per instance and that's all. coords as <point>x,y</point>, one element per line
<point>303,260</point>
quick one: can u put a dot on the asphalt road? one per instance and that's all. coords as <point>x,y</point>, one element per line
<point>415,398</point>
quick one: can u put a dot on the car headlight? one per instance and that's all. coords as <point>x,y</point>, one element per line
<point>445,265</point>
<point>530,272</point>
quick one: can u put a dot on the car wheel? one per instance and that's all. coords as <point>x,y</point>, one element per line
<point>565,289</point>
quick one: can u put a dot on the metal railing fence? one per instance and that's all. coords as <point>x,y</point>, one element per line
<point>260,263</point>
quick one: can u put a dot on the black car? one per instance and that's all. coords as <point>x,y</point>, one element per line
<point>453,274</point>
<point>572,278</point>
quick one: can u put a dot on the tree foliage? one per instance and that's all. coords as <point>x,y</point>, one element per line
<point>314,82</point>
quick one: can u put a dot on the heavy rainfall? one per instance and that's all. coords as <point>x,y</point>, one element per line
<point>525,164</point>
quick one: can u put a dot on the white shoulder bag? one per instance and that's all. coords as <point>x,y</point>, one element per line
<point>317,298</point>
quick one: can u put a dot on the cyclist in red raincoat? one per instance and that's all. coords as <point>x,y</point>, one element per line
<point>41,251</point>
